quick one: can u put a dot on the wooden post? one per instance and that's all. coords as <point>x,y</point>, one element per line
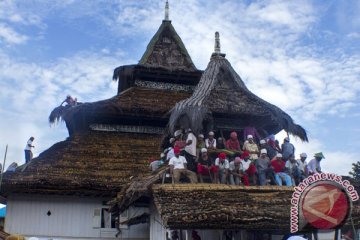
<point>3,166</point>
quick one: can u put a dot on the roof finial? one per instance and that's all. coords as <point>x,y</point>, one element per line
<point>167,10</point>
<point>217,43</point>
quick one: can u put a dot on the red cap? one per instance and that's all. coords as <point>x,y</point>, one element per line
<point>176,150</point>
<point>245,154</point>
<point>222,155</point>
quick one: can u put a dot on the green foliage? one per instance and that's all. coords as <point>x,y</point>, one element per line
<point>355,172</point>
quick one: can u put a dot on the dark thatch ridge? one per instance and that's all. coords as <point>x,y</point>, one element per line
<point>167,50</point>
<point>221,92</point>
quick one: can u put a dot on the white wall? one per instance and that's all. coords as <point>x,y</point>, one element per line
<point>71,218</point>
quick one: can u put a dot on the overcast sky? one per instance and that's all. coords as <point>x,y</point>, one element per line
<point>303,56</point>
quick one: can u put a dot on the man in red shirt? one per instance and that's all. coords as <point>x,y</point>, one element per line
<point>233,143</point>
<point>280,171</point>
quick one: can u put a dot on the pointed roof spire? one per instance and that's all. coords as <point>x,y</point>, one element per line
<point>217,48</point>
<point>167,11</point>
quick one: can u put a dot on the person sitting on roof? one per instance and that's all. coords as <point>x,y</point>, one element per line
<point>273,143</point>
<point>249,168</point>
<point>293,166</point>
<point>314,165</point>
<point>200,145</point>
<point>205,166</point>
<point>170,150</point>
<point>155,164</point>
<point>280,171</point>
<point>12,167</point>
<point>236,171</point>
<point>271,153</point>
<point>303,165</point>
<point>210,142</point>
<point>220,143</point>
<point>190,150</point>
<point>251,147</point>
<point>70,101</point>
<point>222,166</point>
<point>178,139</point>
<point>287,149</point>
<point>263,167</point>
<point>178,167</point>
<point>233,143</point>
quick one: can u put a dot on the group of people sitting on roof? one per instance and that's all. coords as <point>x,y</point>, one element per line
<point>254,162</point>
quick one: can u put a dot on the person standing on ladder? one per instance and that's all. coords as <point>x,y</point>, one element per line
<point>28,152</point>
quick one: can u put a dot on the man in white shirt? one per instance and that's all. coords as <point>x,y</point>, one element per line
<point>222,165</point>
<point>28,152</point>
<point>210,142</point>
<point>303,164</point>
<point>178,166</point>
<point>190,150</point>
<point>314,164</point>
<point>236,171</point>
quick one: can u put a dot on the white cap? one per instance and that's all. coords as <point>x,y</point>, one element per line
<point>262,141</point>
<point>287,139</point>
<point>211,133</point>
<point>188,130</point>
<point>203,150</point>
<point>162,155</point>
<point>263,151</point>
<point>303,155</point>
<point>177,133</point>
<point>279,155</point>
<point>249,136</point>
<point>201,136</point>
<point>172,140</point>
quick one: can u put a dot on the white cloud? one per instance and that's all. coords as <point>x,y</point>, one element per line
<point>10,36</point>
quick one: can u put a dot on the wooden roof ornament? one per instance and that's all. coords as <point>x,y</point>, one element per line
<point>166,49</point>
<point>221,96</point>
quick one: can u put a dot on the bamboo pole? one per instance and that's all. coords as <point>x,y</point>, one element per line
<point>3,166</point>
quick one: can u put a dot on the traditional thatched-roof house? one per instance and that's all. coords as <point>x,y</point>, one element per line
<point>63,192</point>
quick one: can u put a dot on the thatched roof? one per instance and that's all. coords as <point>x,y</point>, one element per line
<point>94,163</point>
<point>217,206</point>
<point>167,50</point>
<point>221,93</point>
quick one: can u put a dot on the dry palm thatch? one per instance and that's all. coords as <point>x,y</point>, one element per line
<point>221,92</point>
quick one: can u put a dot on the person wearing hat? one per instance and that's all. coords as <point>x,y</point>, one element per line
<point>251,147</point>
<point>271,152</point>
<point>314,165</point>
<point>293,166</point>
<point>280,171</point>
<point>303,165</point>
<point>222,166</point>
<point>178,139</point>
<point>287,149</point>
<point>263,167</point>
<point>221,143</point>
<point>178,167</point>
<point>205,166</point>
<point>190,149</point>
<point>233,143</point>
<point>236,172</point>
<point>210,142</point>
<point>248,167</point>
<point>200,145</point>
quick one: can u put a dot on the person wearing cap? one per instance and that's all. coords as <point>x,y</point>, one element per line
<point>263,167</point>
<point>200,145</point>
<point>287,149</point>
<point>178,167</point>
<point>248,167</point>
<point>190,150</point>
<point>210,142</point>
<point>280,171</point>
<point>236,172</point>
<point>251,147</point>
<point>271,152</point>
<point>205,166</point>
<point>303,164</point>
<point>178,139</point>
<point>293,166</point>
<point>155,164</point>
<point>222,166</point>
<point>233,143</point>
<point>314,165</point>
